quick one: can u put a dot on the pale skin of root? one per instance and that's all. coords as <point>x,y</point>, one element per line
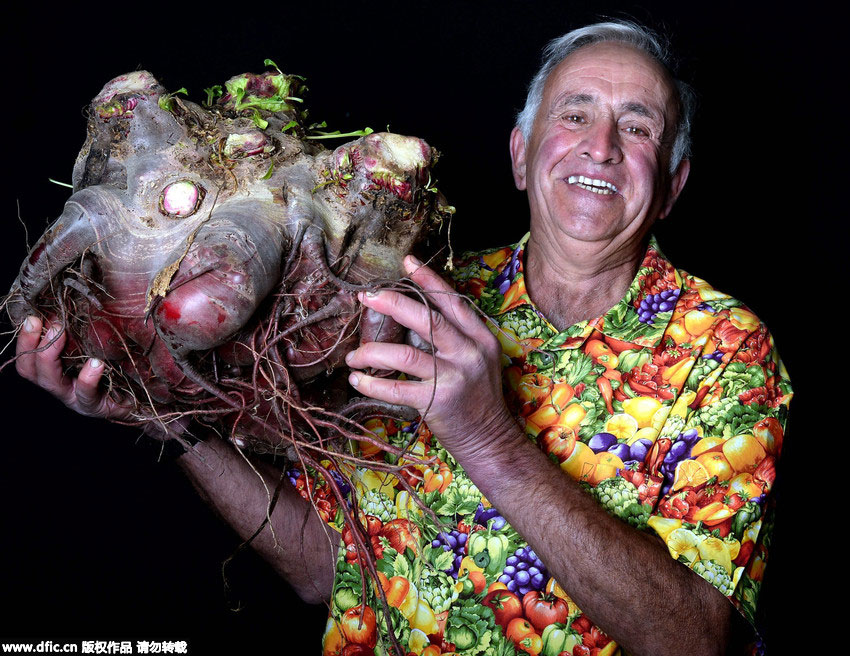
<point>658,608</point>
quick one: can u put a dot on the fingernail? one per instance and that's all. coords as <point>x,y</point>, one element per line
<point>349,357</point>
<point>29,324</point>
<point>413,261</point>
<point>362,296</point>
<point>354,379</point>
<point>94,363</point>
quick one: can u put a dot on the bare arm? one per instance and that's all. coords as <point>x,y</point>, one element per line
<point>595,556</point>
<point>296,542</point>
<point>591,553</point>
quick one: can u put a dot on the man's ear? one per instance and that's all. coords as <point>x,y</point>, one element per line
<point>676,184</point>
<point>518,158</point>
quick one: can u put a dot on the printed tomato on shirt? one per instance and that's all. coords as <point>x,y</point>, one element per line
<point>669,410</point>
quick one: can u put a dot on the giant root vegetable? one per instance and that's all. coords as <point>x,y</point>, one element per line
<point>211,256</point>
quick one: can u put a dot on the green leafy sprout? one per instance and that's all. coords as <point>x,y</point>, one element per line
<point>337,134</point>
<point>281,100</point>
<point>166,101</point>
<point>213,92</point>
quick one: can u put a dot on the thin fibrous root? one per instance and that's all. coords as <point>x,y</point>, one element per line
<point>363,406</point>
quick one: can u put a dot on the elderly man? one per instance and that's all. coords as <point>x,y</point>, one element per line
<point>610,400</point>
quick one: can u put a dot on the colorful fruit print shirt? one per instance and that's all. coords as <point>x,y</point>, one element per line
<point>669,410</point>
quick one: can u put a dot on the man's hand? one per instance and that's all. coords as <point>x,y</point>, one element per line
<point>459,391</point>
<point>222,476</point>
<point>38,360</point>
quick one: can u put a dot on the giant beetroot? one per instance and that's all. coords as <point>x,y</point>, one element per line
<point>212,255</point>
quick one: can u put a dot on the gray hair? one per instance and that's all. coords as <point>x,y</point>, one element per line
<point>623,32</point>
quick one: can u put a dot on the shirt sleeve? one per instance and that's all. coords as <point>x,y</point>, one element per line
<point>717,456</point>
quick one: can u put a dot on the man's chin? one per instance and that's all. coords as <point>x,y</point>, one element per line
<point>593,233</point>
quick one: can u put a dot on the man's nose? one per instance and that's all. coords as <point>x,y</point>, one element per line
<point>601,142</point>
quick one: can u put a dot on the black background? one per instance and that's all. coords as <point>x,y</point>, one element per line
<point>101,542</point>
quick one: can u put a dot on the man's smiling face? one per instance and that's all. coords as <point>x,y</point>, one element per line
<point>596,164</point>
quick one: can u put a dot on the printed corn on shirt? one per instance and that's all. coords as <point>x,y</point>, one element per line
<point>669,410</point>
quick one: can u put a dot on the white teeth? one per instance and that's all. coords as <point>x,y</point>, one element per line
<point>592,184</point>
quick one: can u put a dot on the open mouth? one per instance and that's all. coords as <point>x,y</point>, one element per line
<point>592,184</point>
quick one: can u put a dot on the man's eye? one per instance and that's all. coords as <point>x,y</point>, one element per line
<point>637,131</point>
<point>574,118</point>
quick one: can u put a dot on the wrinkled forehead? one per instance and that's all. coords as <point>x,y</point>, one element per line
<point>613,72</point>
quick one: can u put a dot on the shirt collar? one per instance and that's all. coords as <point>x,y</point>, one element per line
<point>640,317</point>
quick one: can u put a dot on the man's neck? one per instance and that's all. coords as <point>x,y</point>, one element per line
<point>578,286</point>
